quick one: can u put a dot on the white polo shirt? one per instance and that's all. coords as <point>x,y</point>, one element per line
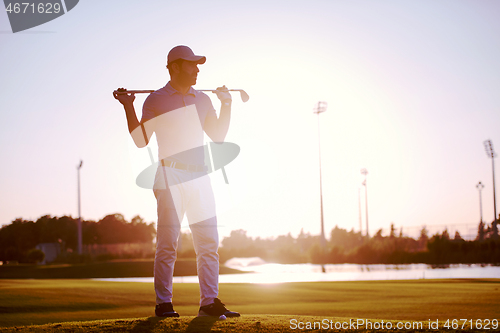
<point>178,122</point>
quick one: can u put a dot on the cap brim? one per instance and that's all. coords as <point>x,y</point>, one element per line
<point>197,59</point>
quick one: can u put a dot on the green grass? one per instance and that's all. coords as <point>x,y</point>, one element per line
<point>39,302</point>
<point>108,269</point>
<point>246,323</point>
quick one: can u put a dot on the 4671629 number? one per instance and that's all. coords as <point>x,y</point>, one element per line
<point>27,7</point>
<point>478,324</point>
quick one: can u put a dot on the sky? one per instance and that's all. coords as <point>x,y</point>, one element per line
<point>413,91</point>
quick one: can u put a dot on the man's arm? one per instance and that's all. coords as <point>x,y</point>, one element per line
<point>215,128</point>
<point>135,128</point>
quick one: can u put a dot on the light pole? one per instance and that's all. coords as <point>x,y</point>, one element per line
<point>360,218</point>
<point>320,108</point>
<point>488,145</point>
<point>365,172</point>
<point>79,212</point>
<point>480,187</point>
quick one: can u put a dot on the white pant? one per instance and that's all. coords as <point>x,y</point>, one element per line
<point>185,192</point>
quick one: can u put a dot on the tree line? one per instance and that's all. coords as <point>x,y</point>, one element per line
<point>352,247</point>
<point>19,239</point>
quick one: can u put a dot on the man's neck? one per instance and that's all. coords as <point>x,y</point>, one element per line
<point>180,87</point>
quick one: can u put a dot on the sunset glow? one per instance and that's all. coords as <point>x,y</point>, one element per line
<point>412,91</point>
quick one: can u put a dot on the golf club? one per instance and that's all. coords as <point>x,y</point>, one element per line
<point>244,96</point>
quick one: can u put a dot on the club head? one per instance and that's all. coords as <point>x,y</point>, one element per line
<point>244,96</point>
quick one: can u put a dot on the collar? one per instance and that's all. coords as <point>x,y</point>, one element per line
<point>171,90</point>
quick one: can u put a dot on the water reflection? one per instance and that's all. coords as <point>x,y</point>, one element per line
<point>261,272</point>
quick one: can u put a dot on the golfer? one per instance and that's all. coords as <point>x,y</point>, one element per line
<point>180,115</point>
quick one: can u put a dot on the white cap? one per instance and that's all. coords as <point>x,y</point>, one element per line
<point>185,53</point>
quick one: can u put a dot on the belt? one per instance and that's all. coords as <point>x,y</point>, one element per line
<point>183,166</point>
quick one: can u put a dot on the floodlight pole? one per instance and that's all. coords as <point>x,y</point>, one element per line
<point>79,212</point>
<point>320,108</point>
<point>360,218</point>
<point>488,145</point>
<point>365,172</point>
<point>480,187</point>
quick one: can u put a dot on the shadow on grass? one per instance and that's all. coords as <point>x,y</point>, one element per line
<point>201,324</point>
<point>152,324</point>
<point>148,325</point>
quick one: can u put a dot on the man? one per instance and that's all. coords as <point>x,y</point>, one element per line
<point>180,115</point>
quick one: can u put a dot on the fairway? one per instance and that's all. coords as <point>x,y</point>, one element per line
<point>246,323</point>
<point>95,270</point>
<point>35,302</point>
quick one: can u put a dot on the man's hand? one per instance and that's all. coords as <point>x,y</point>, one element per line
<point>140,137</point>
<point>125,99</point>
<point>223,94</point>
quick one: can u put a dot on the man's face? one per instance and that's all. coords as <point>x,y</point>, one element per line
<point>188,73</point>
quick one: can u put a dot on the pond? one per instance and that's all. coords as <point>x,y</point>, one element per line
<point>262,272</point>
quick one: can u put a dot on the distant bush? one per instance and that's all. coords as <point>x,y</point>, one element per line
<point>34,256</point>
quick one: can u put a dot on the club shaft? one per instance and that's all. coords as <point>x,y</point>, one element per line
<point>133,92</point>
<point>216,90</point>
<point>150,91</point>
<point>244,95</point>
